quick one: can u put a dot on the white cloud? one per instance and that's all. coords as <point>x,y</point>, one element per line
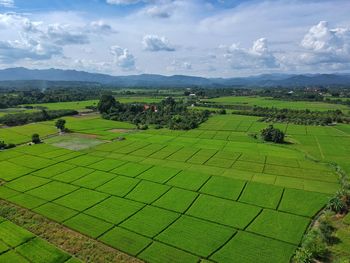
<point>326,45</point>
<point>100,27</point>
<point>123,58</point>
<point>122,2</point>
<point>7,3</point>
<point>65,35</point>
<point>156,43</point>
<point>258,56</point>
<point>159,11</point>
<point>11,51</point>
<point>179,66</point>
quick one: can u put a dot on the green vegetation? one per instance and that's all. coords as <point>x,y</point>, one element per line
<point>24,118</point>
<point>215,193</point>
<point>272,134</point>
<point>20,245</point>
<point>167,113</point>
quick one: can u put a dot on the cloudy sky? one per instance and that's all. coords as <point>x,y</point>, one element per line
<point>214,38</point>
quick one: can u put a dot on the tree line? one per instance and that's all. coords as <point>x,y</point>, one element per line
<point>168,113</point>
<point>43,115</point>
<point>304,117</point>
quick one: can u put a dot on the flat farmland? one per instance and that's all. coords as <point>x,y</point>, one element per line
<point>214,193</point>
<point>269,102</point>
<point>20,245</point>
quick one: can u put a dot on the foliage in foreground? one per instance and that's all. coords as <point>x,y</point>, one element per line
<point>44,115</point>
<point>168,113</point>
<point>317,242</point>
<point>271,134</point>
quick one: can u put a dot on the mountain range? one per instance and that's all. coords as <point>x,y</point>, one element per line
<point>153,80</point>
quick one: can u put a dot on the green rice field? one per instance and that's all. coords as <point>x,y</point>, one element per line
<point>212,194</point>
<point>269,102</point>
<point>20,245</point>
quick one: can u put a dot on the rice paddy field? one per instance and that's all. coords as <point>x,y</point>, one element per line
<point>213,194</point>
<point>269,102</point>
<point>20,245</point>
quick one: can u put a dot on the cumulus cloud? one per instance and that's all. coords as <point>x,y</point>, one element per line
<point>177,65</point>
<point>258,56</point>
<point>7,3</point>
<point>122,2</point>
<point>325,45</point>
<point>123,58</point>
<point>100,27</point>
<point>156,43</point>
<point>159,11</point>
<point>12,51</point>
<point>64,35</point>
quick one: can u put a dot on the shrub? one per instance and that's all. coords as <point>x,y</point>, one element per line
<point>303,255</point>
<point>36,138</point>
<point>272,134</point>
<point>60,124</point>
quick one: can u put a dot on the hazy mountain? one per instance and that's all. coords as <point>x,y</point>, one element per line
<point>152,80</point>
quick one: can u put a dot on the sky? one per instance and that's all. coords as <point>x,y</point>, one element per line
<point>209,38</point>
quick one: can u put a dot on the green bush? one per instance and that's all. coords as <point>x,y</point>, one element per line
<point>272,134</point>
<point>36,138</point>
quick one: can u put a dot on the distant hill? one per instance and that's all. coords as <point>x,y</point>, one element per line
<point>152,80</point>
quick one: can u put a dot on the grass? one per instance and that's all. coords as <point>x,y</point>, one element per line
<point>131,169</point>
<point>302,202</point>
<point>94,179</point>
<point>150,221</point>
<point>196,236</point>
<point>27,183</point>
<point>147,192</point>
<point>160,253</point>
<point>125,240</point>
<point>52,190</point>
<point>114,209</point>
<point>281,226</point>
<point>262,195</point>
<point>223,187</point>
<point>55,212</point>
<point>81,199</point>
<point>222,211</point>
<point>13,171</point>
<point>246,247</point>
<point>269,102</point>
<point>159,174</point>
<point>180,195</point>
<point>14,235</point>
<point>188,180</point>
<point>88,225</point>
<point>119,186</point>
<point>38,250</point>
<point>177,200</point>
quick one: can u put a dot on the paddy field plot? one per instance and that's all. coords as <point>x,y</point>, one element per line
<point>269,102</point>
<point>20,245</point>
<point>177,196</point>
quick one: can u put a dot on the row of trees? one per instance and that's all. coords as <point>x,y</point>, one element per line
<point>167,113</point>
<point>14,98</point>
<point>43,115</point>
<point>305,117</point>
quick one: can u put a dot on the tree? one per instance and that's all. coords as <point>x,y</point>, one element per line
<point>106,103</point>
<point>36,138</point>
<point>271,134</point>
<point>60,124</point>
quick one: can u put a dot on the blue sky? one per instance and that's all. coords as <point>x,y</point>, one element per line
<point>216,38</point>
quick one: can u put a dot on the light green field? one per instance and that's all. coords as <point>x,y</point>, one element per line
<point>20,245</point>
<point>269,102</point>
<point>213,193</point>
<point>72,105</point>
